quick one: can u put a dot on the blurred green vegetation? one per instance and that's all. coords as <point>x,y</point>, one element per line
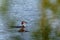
<point>11,23</point>
<point>45,28</point>
<point>4,11</point>
<point>15,38</point>
<point>4,8</point>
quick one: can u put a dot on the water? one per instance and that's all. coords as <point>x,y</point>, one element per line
<point>19,10</point>
<point>24,10</point>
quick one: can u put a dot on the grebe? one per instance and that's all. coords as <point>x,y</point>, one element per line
<point>22,27</point>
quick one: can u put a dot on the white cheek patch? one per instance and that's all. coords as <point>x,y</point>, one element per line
<point>24,24</point>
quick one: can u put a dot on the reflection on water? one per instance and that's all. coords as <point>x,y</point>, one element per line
<point>19,10</point>
<point>26,10</point>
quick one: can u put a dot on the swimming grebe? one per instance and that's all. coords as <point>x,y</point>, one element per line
<point>22,27</point>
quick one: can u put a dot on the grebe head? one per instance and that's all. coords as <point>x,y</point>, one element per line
<point>23,22</point>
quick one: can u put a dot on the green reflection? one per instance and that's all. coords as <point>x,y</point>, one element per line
<point>15,38</point>
<point>4,7</point>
